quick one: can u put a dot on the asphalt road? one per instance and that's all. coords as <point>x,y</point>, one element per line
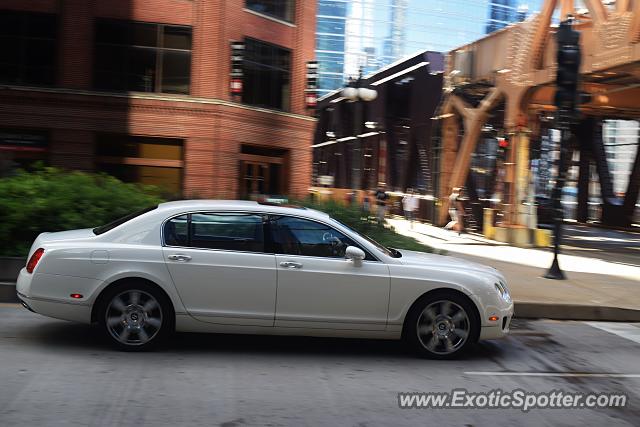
<point>58,373</point>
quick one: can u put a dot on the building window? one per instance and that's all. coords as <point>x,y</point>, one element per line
<point>28,45</point>
<point>135,56</point>
<point>330,43</point>
<point>21,148</point>
<point>266,75</point>
<point>281,9</point>
<point>332,8</point>
<point>151,161</point>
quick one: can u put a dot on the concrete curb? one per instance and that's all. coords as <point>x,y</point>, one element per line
<point>523,310</point>
<point>532,310</point>
<point>8,292</point>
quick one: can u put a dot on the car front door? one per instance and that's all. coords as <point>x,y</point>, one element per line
<point>220,268</point>
<point>317,286</point>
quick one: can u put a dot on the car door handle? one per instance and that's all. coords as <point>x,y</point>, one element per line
<point>290,264</point>
<point>179,257</point>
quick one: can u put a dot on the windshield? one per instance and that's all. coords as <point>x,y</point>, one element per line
<point>113,224</point>
<point>394,253</point>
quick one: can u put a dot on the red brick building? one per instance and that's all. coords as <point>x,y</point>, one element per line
<point>141,89</point>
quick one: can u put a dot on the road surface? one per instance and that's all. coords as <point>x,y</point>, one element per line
<point>56,373</point>
<point>609,245</point>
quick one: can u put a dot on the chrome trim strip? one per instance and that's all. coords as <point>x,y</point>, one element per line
<point>57,301</point>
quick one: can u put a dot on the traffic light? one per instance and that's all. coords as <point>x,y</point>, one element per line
<point>237,56</point>
<point>503,147</point>
<point>568,75</point>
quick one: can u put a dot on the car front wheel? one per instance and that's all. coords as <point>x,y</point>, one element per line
<point>135,317</point>
<point>442,326</point>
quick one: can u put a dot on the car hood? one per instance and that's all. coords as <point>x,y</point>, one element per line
<point>423,259</point>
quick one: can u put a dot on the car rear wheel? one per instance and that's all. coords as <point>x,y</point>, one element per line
<point>135,316</point>
<point>442,326</point>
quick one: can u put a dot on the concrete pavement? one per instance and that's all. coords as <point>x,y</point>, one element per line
<point>597,287</point>
<point>57,373</point>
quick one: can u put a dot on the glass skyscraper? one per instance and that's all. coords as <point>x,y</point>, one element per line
<point>330,43</point>
<point>503,12</point>
<point>373,33</point>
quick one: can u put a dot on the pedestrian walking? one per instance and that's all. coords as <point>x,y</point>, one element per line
<point>366,205</point>
<point>454,202</point>
<point>381,201</point>
<point>409,205</point>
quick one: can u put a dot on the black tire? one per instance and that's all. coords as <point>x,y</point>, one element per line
<point>152,310</point>
<point>451,345</point>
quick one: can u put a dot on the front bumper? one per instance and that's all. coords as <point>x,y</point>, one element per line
<point>492,329</point>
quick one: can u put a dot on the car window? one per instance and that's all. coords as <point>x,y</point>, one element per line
<point>238,232</point>
<point>394,253</point>
<point>118,222</point>
<point>297,236</point>
<point>176,231</point>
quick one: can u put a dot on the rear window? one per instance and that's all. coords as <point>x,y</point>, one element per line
<point>210,230</point>
<point>113,224</point>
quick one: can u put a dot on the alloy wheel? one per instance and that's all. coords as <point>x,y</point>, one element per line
<point>133,317</point>
<point>443,327</point>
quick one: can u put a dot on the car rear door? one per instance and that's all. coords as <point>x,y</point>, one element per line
<point>220,268</point>
<point>317,286</point>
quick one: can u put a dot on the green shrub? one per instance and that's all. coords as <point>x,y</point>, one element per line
<point>50,199</point>
<point>354,217</point>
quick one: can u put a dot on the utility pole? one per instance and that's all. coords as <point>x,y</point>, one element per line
<point>568,58</point>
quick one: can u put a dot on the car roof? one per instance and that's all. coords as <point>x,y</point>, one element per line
<point>244,205</point>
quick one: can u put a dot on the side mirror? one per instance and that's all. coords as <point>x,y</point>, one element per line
<point>354,254</point>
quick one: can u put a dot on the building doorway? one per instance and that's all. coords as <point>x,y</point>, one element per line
<point>262,173</point>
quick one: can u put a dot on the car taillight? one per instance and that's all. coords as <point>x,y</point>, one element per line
<point>33,261</point>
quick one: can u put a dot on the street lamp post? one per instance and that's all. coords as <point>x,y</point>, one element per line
<point>355,93</point>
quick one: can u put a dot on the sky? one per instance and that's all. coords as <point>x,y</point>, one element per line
<point>440,25</point>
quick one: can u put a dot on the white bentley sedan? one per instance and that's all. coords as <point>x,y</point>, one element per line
<point>258,268</point>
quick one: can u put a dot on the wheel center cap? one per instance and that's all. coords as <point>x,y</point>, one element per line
<point>134,317</point>
<point>443,327</point>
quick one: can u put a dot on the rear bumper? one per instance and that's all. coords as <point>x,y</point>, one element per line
<point>56,309</point>
<point>25,305</point>
<point>52,307</point>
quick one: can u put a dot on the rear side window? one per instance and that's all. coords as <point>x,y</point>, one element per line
<point>236,232</point>
<point>110,226</point>
<point>176,231</point>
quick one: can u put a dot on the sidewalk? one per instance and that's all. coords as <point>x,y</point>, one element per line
<point>595,289</point>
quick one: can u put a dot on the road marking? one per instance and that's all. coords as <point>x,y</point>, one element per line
<point>552,374</point>
<point>625,330</point>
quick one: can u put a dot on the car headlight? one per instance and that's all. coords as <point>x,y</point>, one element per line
<point>503,291</point>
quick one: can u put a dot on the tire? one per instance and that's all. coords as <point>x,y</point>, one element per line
<point>135,316</point>
<point>442,325</point>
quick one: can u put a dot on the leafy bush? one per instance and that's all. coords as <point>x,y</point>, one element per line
<point>354,217</point>
<point>50,199</point>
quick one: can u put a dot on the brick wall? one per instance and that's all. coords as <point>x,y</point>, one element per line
<point>213,128</point>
